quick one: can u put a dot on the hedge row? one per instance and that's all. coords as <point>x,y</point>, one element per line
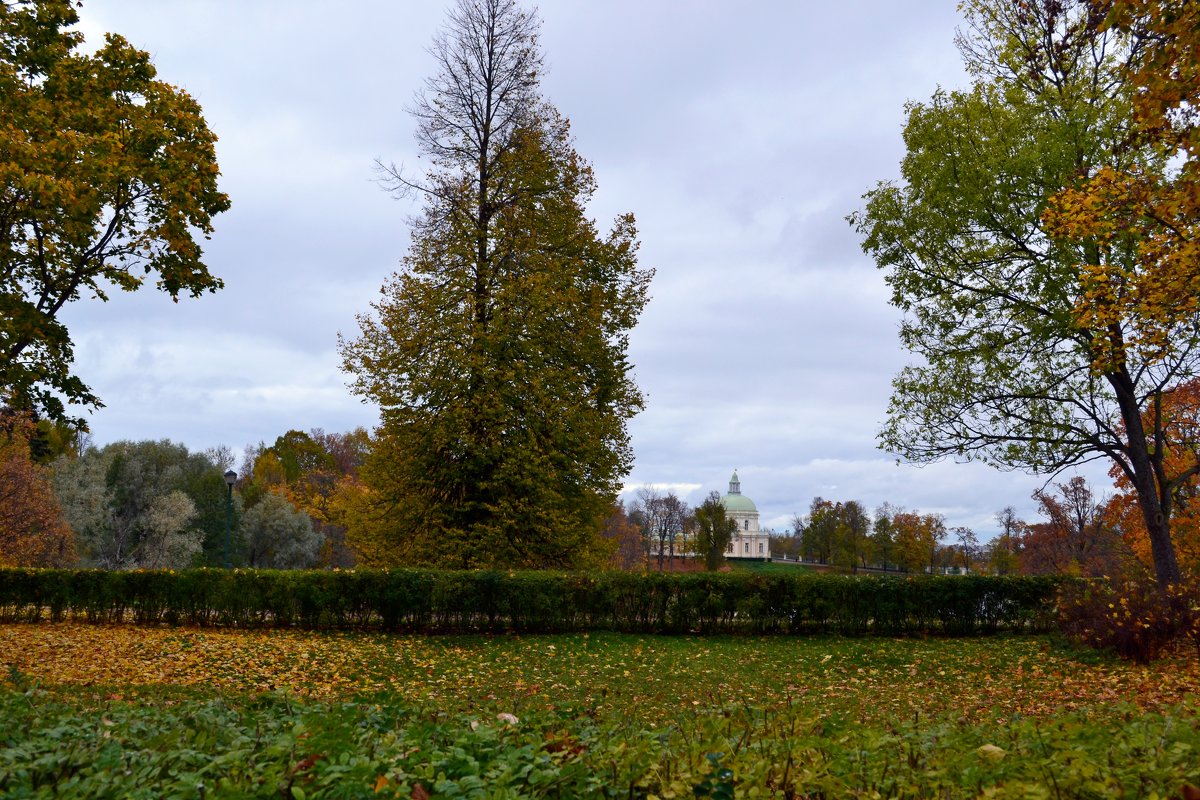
<point>433,601</point>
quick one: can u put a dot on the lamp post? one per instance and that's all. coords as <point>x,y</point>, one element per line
<point>230,478</point>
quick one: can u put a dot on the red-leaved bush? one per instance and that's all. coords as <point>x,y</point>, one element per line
<point>1137,620</point>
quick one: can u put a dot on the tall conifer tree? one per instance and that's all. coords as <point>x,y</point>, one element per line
<point>498,352</point>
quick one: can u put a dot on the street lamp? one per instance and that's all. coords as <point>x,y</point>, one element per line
<point>230,478</point>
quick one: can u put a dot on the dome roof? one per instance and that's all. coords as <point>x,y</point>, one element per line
<point>738,502</point>
<point>735,500</point>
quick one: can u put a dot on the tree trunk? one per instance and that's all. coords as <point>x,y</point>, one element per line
<point>1145,482</point>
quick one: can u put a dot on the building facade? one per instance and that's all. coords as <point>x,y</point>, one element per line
<point>748,541</point>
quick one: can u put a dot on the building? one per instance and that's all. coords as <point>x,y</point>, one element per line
<point>748,541</point>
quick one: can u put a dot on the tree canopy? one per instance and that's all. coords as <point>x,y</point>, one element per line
<point>1007,370</point>
<point>33,532</point>
<point>714,531</point>
<point>1161,286</point>
<point>107,176</point>
<point>317,472</point>
<point>143,505</point>
<point>498,352</point>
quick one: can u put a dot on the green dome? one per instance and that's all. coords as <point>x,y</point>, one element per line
<point>736,501</point>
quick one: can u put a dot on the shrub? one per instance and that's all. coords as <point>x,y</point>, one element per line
<point>1137,620</point>
<point>534,602</point>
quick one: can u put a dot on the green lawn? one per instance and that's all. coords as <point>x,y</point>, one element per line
<point>108,711</point>
<point>769,567</point>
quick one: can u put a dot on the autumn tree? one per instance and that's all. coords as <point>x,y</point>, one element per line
<point>33,532</point>
<point>665,519</point>
<point>318,473</point>
<point>916,540</point>
<point>107,177</point>
<point>714,531</point>
<point>1154,296</point>
<point>1076,538</point>
<point>625,538</point>
<point>1009,372</point>
<point>498,353</point>
<point>1175,417</point>
<point>1003,552</point>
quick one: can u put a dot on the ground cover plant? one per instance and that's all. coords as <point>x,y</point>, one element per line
<point>103,710</point>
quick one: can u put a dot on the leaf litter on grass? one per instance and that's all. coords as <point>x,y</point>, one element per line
<point>648,678</point>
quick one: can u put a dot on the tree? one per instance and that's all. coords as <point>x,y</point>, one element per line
<point>1160,288</point>
<point>1004,551</point>
<point>143,505</point>
<point>916,540</point>
<point>32,530</point>
<point>714,531</point>
<point>819,531</point>
<point>665,519</point>
<point>318,473</point>
<point>626,540</point>
<point>790,545</point>
<point>1175,416</point>
<point>882,536</point>
<point>498,352</point>
<point>1010,373</point>
<point>1076,538</point>
<point>106,177</point>
<point>852,547</point>
<point>278,535</point>
<point>166,539</point>
<point>968,547</point>
<point>835,533</point>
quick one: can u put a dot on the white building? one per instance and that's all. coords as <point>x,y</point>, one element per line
<point>748,541</point>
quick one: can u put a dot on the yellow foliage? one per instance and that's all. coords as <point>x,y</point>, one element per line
<point>1139,310</point>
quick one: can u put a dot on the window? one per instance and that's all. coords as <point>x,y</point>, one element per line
<point>760,547</point>
<point>746,525</point>
<point>747,547</point>
<point>731,547</point>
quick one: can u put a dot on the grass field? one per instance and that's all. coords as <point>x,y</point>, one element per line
<point>770,567</point>
<point>90,710</point>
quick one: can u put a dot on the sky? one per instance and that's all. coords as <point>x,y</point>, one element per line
<point>739,134</point>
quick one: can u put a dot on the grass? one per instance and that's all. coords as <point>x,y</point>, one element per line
<point>310,714</point>
<point>769,567</point>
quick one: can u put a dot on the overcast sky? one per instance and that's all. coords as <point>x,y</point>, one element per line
<point>739,134</point>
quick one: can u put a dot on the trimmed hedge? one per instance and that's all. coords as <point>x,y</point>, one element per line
<point>434,601</point>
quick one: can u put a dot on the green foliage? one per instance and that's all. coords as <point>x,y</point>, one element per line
<point>714,531</point>
<point>499,353</point>
<point>278,536</point>
<point>1003,368</point>
<point>539,602</point>
<point>144,504</point>
<point>836,533</point>
<point>106,177</point>
<point>277,746</point>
